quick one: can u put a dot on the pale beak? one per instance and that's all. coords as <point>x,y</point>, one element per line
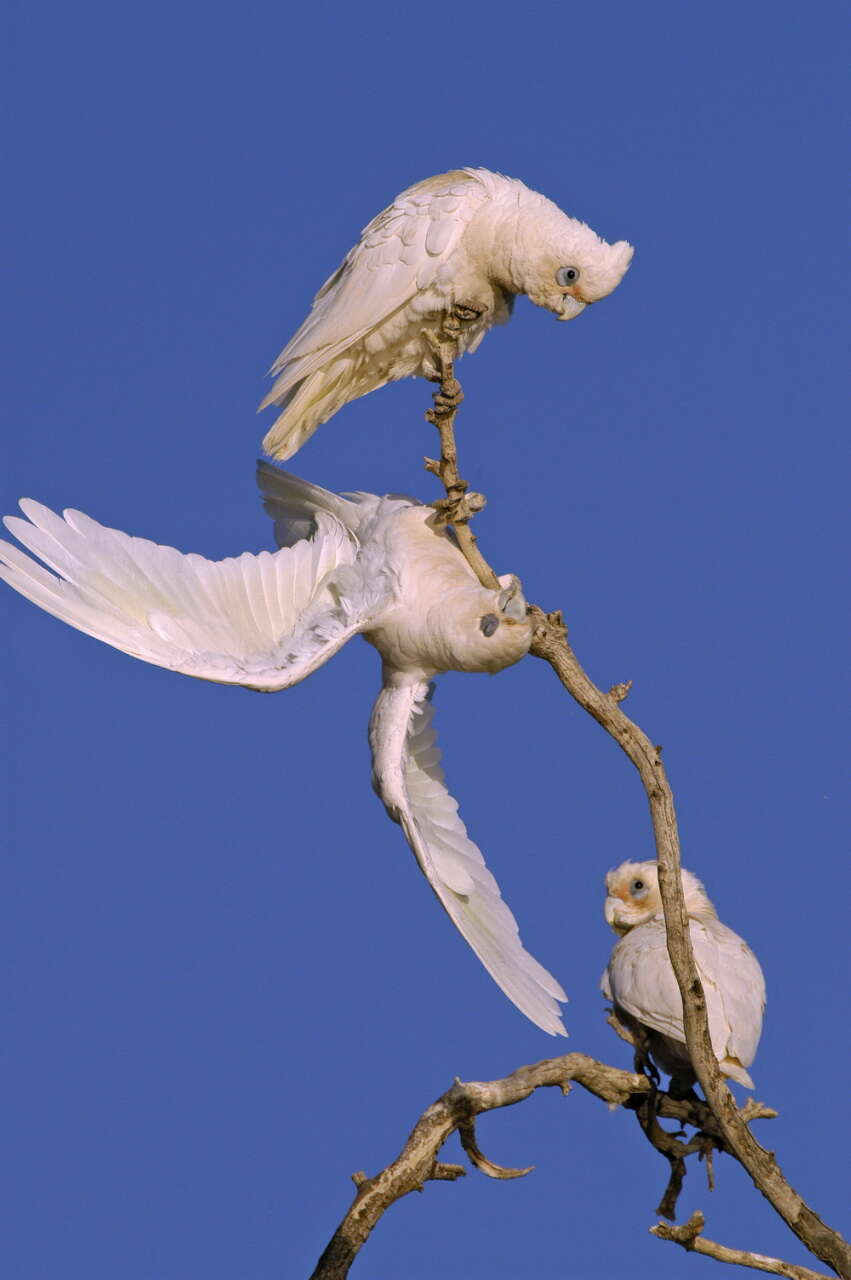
<point>570,307</point>
<point>511,599</point>
<point>612,913</point>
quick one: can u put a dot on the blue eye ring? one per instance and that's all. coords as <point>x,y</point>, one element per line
<point>488,624</point>
<point>567,276</point>
<point>637,888</point>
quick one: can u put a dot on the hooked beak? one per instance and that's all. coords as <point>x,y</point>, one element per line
<point>612,915</point>
<point>571,307</point>
<point>511,600</point>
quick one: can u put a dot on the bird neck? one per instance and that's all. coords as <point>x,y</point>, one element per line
<point>493,243</point>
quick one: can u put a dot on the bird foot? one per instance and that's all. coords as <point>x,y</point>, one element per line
<point>456,507</point>
<point>446,400</point>
<point>466,312</point>
<point>643,1063</point>
<point>681,1088</point>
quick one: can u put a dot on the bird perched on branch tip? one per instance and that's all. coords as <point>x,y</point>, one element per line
<point>640,980</point>
<point>464,242</point>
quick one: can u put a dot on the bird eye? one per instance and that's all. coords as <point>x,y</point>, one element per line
<point>488,624</point>
<point>637,888</point>
<point>566,276</point>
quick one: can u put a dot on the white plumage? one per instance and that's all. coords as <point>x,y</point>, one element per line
<point>640,981</point>
<point>468,238</point>
<point>372,566</point>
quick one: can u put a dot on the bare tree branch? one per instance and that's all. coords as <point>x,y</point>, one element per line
<point>550,643</point>
<point>458,506</point>
<point>689,1236</point>
<point>456,1111</point>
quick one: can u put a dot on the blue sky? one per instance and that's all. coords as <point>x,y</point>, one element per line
<point>228,987</point>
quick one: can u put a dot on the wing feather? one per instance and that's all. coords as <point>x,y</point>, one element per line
<point>740,985</point>
<point>410,781</point>
<point>641,980</point>
<point>398,255</point>
<point>264,621</point>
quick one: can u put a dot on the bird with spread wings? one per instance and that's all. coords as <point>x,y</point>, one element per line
<point>347,565</point>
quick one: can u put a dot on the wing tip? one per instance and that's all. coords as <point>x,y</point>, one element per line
<point>557,1027</point>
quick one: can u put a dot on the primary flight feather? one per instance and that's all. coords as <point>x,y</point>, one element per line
<point>467,239</point>
<point>640,979</point>
<point>349,565</point>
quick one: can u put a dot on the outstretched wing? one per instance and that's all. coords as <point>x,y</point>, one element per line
<point>397,256</point>
<point>408,778</point>
<point>264,621</point>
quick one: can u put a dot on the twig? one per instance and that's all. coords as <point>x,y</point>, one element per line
<point>689,1236</point>
<point>456,1110</point>
<point>459,506</point>
<point>671,1148</point>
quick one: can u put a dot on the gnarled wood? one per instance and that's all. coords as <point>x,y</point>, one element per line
<point>690,1237</point>
<point>456,1110</point>
<point>550,643</point>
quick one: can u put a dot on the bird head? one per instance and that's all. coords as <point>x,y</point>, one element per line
<point>561,263</point>
<point>633,896</point>
<point>487,630</point>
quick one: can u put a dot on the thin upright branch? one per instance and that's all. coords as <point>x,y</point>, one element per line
<point>690,1237</point>
<point>459,506</point>
<point>550,643</point>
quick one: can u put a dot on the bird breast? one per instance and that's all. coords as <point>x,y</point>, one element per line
<point>396,348</point>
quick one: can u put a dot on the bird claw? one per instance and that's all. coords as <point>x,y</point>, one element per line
<point>459,506</point>
<point>466,312</point>
<point>446,400</point>
<point>444,405</point>
<point>451,510</point>
<point>643,1063</point>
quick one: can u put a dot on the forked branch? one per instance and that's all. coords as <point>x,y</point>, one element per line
<point>456,1111</point>
<point>690,1237</point>
<point>550,643</point>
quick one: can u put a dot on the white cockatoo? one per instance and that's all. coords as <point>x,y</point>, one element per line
<point>640,980</point>
<point>359,564</point>
<point>468,239</point>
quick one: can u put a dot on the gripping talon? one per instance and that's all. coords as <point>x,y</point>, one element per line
<point>466,312</point>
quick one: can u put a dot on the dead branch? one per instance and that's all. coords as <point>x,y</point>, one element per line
<point>458,506</point>
<point>456,1111</point>
<point>550,643</point>
<point>690,1237</point>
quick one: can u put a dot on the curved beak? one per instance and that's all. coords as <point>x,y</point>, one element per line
<point>511,600</point>
<point>571,307</point>
<point>612,914</point>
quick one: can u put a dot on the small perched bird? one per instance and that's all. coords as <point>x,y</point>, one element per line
<point>467,242</point>
<point>640,981</point>
<point>356,564</point>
